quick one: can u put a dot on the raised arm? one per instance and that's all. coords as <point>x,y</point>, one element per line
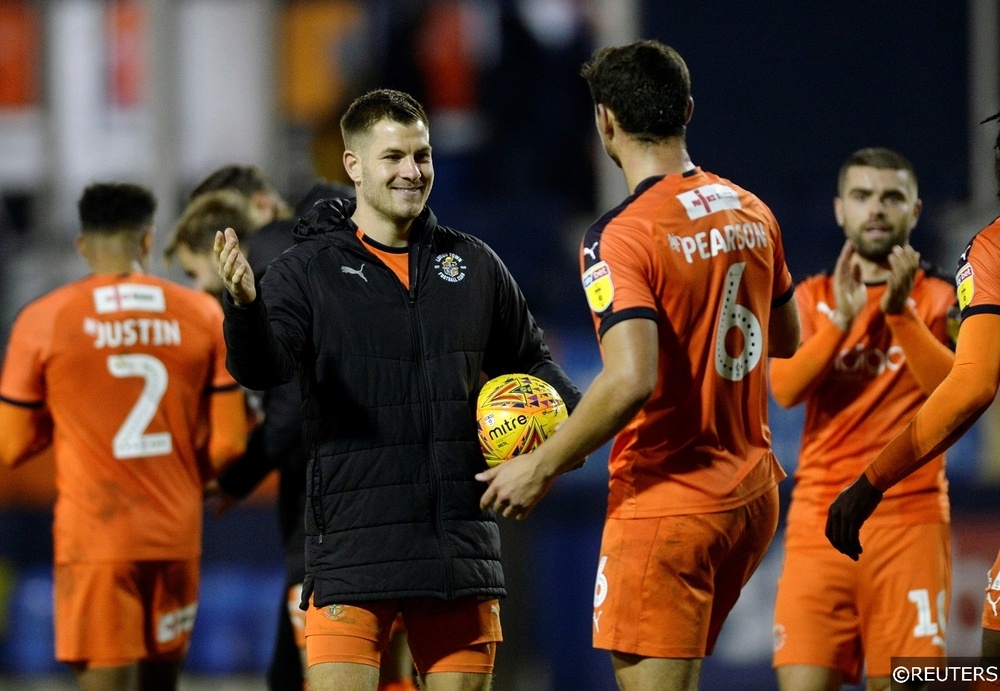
<point>792,379</point>
<point>948,413</point>
<point>615,396</point>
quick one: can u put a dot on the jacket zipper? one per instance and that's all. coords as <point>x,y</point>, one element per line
<point>428,418</point>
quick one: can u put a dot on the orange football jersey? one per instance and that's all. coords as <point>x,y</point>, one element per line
<point>703,258</point>
<point>126,366</point>
<point>978,277</point>
<point>866,397</point>
<point>971,385</point>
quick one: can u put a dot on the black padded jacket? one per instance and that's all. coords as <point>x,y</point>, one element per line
<point>390,377</point>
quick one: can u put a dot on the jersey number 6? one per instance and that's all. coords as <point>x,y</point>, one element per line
<point>734,316</point>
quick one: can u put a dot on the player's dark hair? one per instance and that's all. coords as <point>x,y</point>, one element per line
<point>112,207</point>
<point>247,180</point>
<point>875,157</point>
<point>206,214</point>
<point>381,104</point>
<point>646,84</point>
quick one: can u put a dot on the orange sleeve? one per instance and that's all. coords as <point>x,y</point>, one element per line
<point>927,358</point>
<point>26,431</point>
<point>950,411</point>
<point>793,378</point>
<point>227,438</point>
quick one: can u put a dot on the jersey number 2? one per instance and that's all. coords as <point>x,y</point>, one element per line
<point>735,316</point>
<point>131,441</point>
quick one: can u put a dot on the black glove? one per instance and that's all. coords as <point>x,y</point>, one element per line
<point>847,514</point>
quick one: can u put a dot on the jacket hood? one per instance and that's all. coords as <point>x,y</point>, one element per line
<point>333,215</point>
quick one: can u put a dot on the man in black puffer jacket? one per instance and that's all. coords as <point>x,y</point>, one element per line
<point>390,321</point>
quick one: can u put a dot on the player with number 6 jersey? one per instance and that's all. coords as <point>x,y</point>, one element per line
<point>702,258</point>
<point>124,373</point>
<point>690,294</point>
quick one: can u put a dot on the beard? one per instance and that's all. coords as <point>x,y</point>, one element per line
<point>385,204</point>
<point>876,252</point>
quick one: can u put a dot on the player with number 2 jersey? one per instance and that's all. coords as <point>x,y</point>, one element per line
<point>124,373</point>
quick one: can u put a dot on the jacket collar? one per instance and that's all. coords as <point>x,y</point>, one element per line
<point>334,216</point>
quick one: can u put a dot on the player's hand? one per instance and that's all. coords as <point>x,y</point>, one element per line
<point>849,511</point>
<point>219,499</point>
<point>234,269</point>
<point>903,264</point>
<point>849,291</point>
<point>515,486</point>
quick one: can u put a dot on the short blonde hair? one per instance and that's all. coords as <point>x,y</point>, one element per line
<point>206,214</point>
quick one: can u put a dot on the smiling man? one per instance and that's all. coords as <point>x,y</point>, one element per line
<point>874,346</point>
<point>389,319</point>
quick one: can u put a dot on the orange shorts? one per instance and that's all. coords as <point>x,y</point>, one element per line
<point>114,613</point>
<point>895,599</point>
<point>297,615</point>
<point>991,618</point>
<point>665,585</point>
<point>444,636</point>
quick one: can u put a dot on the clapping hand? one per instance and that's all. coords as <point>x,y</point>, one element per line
<point>903,264</point>
<point>849,291</point>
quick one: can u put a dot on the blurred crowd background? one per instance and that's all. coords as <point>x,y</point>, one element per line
<point>162,92</point>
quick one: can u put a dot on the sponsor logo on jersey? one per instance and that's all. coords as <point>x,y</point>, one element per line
<point>708,199</point>
<point>872,361</point>
<point>450,267</point>
<point>966,286</point>
<point>598,286</point>
<point>124,297</point>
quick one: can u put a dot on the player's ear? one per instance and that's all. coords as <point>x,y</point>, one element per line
<point>838,210</point>
<point>605,121</point>
<point>689,111</point>
<point>147,241</point>
<point>265,205</point>
<point>352,164</point>
<point>81,245</point>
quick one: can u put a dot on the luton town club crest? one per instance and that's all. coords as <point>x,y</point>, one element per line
<point>450,267</point>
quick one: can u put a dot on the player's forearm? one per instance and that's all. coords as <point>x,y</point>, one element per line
<point>612,400</point>
<point>927,358</point>
<point>228,428</point>
<point>792,379</point>
<point>253,355</point>
<point>951,410</point>
<point>24,431</point>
